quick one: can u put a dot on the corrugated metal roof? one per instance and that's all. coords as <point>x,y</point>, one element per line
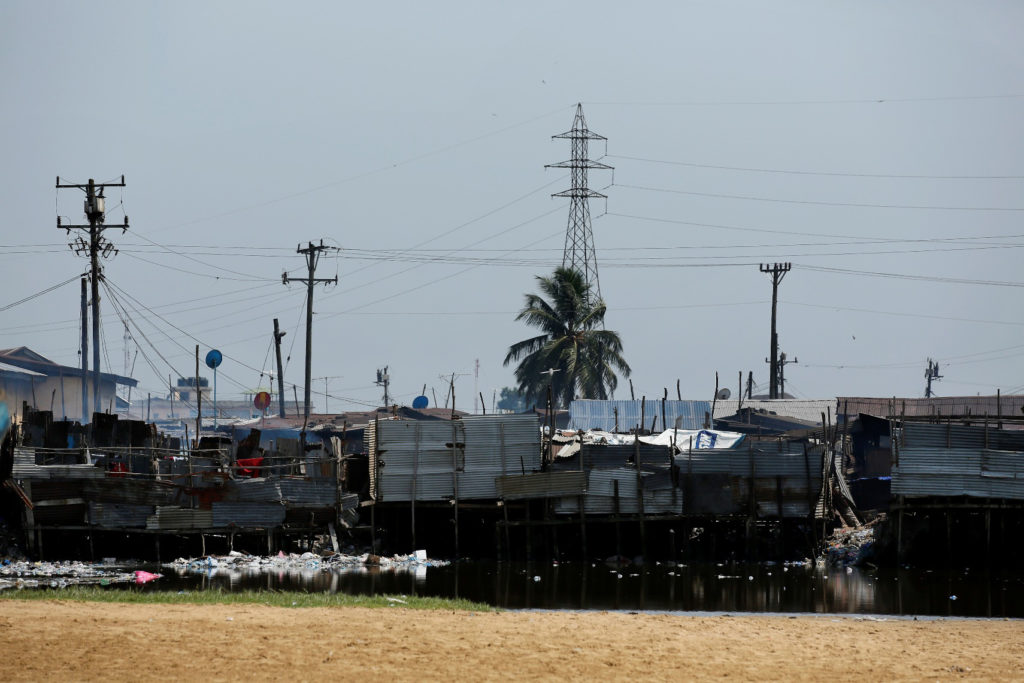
<point>946,406</point>
<point>962,436</point>
<point>593,414</point>
<point>807,410</point>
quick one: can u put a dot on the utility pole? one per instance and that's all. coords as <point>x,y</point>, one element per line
<point>777,272</point>
<point>85,349</point>
<point>312,254</point>
<point>782,373</point>
<point>95,212</point>
<point>278,334</point>
<point>384,380</point>
<point>476,388</point>
<point>579,253</point>
<point>750,384</point>
<point>931,373</point>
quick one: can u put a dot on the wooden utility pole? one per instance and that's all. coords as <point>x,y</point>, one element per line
<point>312,254</point>
<point>95,247</point>
<point>280,368</point>
<point>85,349</point>
<point>777,272</point>
<point>931,373</point>
<point>199,402</point>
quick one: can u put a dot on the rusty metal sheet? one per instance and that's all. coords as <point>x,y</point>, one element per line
<point>542,485</point>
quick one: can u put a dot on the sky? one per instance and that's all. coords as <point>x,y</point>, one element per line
<point>876,146</point>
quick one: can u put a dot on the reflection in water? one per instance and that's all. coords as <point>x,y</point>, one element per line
<point>698,587</point>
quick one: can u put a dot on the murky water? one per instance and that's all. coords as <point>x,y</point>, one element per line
<point>703,587</point>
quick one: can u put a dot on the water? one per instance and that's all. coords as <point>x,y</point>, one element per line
<point>729,587</point>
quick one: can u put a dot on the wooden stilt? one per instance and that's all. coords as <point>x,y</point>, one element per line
<point>508,545</point>
<point>988,538</point>
<point>899,535</point>
<point>529,534</point>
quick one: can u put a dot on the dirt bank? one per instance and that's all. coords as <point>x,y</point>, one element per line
<point>78,640</point>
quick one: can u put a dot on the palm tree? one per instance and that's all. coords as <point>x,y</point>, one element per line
<point>574,353</point>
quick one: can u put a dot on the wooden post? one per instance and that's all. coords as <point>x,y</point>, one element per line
<point>417,429</point>
<point>508,545</point>
<point>199,404</point>
<point>949,539</point>
<point>988,538</point>
<point>640,497</point>
<point>709,423</point>
<point>811,502</point>
<point>529,533</point>
<point>455,477</point>
<point>899,535</point>
<point>615,507</point>
<point>679,393</point>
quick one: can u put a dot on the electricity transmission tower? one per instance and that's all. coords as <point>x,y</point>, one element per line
<point>579,253</point>
<point>96,246</point>
<point>777,272</point>
<point>312,254</point>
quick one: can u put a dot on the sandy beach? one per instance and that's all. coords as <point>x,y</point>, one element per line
<point>80,640</point>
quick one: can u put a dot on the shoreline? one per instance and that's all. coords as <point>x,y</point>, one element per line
<point>120,641</point>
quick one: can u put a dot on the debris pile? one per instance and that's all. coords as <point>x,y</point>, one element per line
<point>851,546</point>
<point>23,574</point>
<point>328,562</point>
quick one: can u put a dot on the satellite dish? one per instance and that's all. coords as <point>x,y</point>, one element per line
<point>420,402</point>
<point>723,394</point>
<point>214,358</point>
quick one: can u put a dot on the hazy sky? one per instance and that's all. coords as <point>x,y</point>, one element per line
<point>854,136</point>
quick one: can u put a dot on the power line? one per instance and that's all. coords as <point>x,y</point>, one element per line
<point>903,314</point>
<point>192,272</point>
<point>841,174</point>
<point>40,293</point>
<point>358,176</point>
<point>820,203</point>
<point>923,278</point>
<point>869,100</point>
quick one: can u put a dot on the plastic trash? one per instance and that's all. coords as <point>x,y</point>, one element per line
<point>420,555</point>
<point>146,577</point>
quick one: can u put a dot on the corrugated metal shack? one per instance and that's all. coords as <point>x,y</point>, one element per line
<point>952,480</point>
<point>126,484</point>
<point>767,479</point>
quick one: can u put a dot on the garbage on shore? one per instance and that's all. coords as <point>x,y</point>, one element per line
<point>24,574</point>
<point>851,546</point>
<point>304,562</point>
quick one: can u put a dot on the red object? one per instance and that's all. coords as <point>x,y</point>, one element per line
<point>118,469</point>
<point>249,467</point>
<point>261,400</point>
<point>145,577</point>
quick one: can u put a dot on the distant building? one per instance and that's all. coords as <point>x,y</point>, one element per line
<point>27,377</point>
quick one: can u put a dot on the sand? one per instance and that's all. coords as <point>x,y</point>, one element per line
<point>87,641</point>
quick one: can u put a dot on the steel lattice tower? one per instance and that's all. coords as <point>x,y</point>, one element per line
<point>579,251</point>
